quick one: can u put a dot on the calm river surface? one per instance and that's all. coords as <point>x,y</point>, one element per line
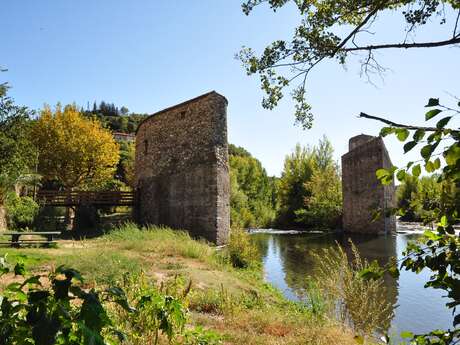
<point>287,262</point>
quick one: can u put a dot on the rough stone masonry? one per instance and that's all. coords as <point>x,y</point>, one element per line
<point>363,194</point>
<point>181,168</point>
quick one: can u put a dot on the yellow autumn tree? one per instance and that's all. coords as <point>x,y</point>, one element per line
<point>73,150</point>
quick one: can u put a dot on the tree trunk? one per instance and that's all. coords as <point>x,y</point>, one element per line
<point>2,218</point>
<point>69,213</point>
<point>68,219</point>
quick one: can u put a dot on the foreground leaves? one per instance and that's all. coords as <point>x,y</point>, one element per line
<point>440,250</point>
<point>64,313</point>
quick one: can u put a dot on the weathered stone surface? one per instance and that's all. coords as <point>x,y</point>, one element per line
<point>2,218</point>
<point>181,168</point>
<point>363,193</point>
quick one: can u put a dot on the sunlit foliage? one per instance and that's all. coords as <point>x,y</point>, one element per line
<point>252,191</point>
<point>440,249</point>
<point>17,154</point>
<point>310,192</point>
<point>419,197</point>
<point>74,151</point>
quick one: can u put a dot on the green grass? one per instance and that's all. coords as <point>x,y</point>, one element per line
<point>30,257</point>
<point>235,303</point>
<point>101,266</point>
<point>158,239</point>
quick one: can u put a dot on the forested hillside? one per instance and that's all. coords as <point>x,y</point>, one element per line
<point>117,119</point>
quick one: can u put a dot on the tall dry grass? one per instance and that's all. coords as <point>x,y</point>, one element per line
<point>357,302</point>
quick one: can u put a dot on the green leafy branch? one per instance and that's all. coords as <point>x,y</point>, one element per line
<point>334,30</point>
<point>64,313</point>
<point>439,250</point>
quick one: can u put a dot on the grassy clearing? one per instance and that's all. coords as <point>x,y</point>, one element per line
<point>166,241</point>
<point>234,304</point>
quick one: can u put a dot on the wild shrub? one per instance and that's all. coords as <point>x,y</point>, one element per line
<point>155,313</point>
<point>57,309</point>
<point>360,303</point>
<point>314,299</point>
<point>63,313</point>
<point>20,211</point>
<point>207,301</point>
<point>241,251</point>
<point>160,310</point>
<point>200,336</point>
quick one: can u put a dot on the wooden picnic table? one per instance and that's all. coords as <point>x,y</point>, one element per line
<point>16,241</point>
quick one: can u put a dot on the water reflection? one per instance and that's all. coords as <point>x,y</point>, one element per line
<point>288,264</point>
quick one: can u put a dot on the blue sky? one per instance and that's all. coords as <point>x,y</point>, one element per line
<point>151,54</point>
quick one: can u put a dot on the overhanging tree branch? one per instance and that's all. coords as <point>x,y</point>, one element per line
<point>357,28</point>
<point>332,29</point>
<point>454,40</point>
<point>454,34</point>
<point>400,125</point>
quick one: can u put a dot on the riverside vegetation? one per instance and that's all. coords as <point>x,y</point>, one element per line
<point>306,194</point>
<point>159,286</point>
<point>337,31</point>
<point>155,285</point>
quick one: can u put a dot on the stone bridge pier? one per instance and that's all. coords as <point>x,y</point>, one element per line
<point>181,168</point>
<point>363,194</point>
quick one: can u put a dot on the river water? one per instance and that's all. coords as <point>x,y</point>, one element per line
<point>287,263</point>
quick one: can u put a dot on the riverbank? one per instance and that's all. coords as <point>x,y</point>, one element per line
<point>235,304</point>
<point>401,227</point>
<point>418,228</point>
<point>287,260</point>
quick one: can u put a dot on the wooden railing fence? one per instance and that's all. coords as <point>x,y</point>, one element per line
<point>78,198</point>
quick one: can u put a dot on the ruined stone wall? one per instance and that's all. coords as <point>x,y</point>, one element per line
<point>363,193</point>
<point>181,168</point>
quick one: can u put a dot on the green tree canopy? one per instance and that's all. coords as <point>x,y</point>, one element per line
<point>310,190</point>
<point>17,153</point>
<point>420,196</point>
<point>114,118</point>
<point>251,197</point>
<point>323,209</point>
<point>292,191</point>
<point>74,150</point>
<point>125,167</point>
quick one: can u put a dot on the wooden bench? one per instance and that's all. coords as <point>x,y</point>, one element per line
<point>16,241</point>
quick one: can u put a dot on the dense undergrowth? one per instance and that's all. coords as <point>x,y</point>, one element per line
<point>170,288</point>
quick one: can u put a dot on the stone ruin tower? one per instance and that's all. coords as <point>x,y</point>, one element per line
<point>181,168</point>
<point>363,193</point>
